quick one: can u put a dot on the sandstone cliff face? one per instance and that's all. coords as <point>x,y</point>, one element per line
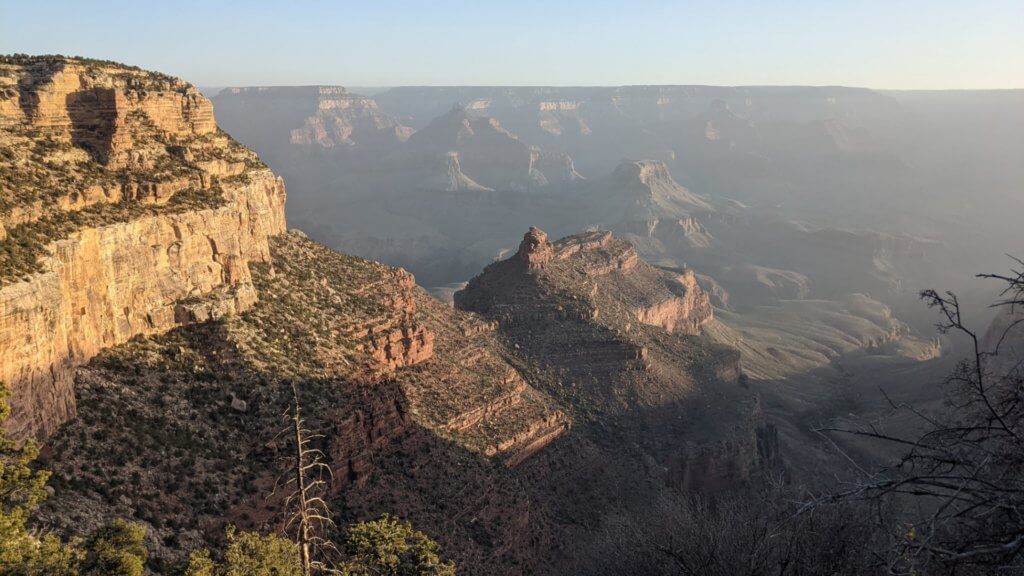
<point>174,215</point>
<point>92,104</point>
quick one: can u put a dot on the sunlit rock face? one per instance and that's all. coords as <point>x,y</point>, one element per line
<point>146,216</point>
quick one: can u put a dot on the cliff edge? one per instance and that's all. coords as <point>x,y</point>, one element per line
<point>124,210</point>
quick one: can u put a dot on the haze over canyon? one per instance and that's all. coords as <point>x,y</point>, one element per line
<point>645,329</point>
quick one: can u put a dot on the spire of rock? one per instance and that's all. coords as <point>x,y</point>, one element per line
<point>535,249</point>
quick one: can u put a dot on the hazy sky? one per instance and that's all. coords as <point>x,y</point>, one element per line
<point>873,43</point>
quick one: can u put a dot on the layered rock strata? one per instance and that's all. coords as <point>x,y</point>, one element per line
<point>587,305</point>
<point>145,217</point>
<point>620,344</point>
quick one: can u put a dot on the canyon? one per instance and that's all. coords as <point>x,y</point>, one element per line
<point>155,313</point>
<point>679,332</point>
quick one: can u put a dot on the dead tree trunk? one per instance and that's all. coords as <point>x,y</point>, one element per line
<point>311,517</point>
<point>300,486</point>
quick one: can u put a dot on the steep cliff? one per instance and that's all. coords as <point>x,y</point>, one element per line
<point>125,212</point>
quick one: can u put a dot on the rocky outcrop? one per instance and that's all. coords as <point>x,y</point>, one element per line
<point>674,302</point>
<point>685,311</point>
<point>580,304</point>
<point>643,201</point>
<point>614,274</point>
<point>404,345</point>
<point>136,271</point>
<point>535,250</point>
<point>649,183</point>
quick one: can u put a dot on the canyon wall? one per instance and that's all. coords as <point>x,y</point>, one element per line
<point>105,285</point>
<point>133,263</point>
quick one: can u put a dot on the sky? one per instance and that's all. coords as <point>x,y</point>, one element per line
<point>893,44</point>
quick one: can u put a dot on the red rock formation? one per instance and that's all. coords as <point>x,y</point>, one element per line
<point>359,433</point>
<point>535,250</point>
<point>403,345</point>
<point>684,313</point>
<point>577,303</point>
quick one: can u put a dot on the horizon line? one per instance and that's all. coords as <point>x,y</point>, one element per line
<point>596,86</point>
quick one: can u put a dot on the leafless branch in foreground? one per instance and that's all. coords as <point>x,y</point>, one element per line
<point>962,479</point>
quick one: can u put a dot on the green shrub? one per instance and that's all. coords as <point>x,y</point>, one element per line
<point>391,547</point>
<point>118,549</point>
<point>249,554</point>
